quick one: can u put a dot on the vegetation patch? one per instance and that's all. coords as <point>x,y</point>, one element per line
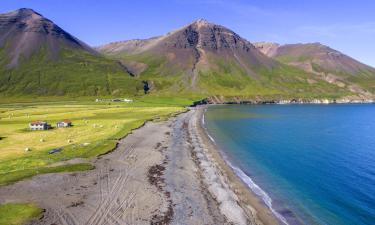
<point>11,177</point>
<point>17,213</point>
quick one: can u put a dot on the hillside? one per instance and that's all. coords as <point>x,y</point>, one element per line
<point>326,63</point>
<point>208,59</point>
<point>37,57</point>
<point>201,59</point>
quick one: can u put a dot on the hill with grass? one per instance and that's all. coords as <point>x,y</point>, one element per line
<point>326,64</point>
<point>201,59</point>
<point>209,59</point>
<point>38,58</point>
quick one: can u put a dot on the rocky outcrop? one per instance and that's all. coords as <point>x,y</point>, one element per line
<point>267,48</point>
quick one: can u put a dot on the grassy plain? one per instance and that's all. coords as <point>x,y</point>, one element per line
<point>96,129</point>
<point>97,126</point>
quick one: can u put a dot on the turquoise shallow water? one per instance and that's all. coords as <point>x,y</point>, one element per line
<point>313,164</point>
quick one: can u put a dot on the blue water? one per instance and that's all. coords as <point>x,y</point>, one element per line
<point>316,162</point>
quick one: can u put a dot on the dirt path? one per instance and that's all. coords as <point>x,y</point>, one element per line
<point>159,174</point>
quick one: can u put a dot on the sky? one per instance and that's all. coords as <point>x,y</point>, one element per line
<point>346,25</point>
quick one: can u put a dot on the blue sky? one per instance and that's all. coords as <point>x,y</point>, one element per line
<point>346,25</point>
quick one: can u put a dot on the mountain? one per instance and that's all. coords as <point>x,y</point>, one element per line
<point>40,58</point>
<point>189,49</point>
<point>326,63</point>
<point>209,59</point>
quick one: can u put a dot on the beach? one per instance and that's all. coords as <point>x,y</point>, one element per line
<point>167,172</point>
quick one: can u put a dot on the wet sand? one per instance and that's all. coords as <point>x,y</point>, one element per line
<point>163,173</point>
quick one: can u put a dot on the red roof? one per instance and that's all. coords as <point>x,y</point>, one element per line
<point>38,122</point>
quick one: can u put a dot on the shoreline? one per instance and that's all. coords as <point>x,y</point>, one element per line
<point>235,101</point>
<point>248,200</point>
<point>165,172</point>
<point>293,207</point>
<point>245,179</point>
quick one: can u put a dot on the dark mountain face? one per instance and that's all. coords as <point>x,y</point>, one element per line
<point>207,36</point>
<point>197,46</point>
<point>24,32</point>
<point>200,33</point>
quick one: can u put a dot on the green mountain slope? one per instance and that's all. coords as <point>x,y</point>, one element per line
<point>39,58</point>
<point>209,59</point>
<point>326,64</point>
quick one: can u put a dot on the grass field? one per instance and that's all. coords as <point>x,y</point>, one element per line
<point>96,129</point>
<point>97,126</point>
<point>16,213</point>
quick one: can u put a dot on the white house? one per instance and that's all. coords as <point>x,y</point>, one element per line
<point>64,123</point>
<point>39,125</point>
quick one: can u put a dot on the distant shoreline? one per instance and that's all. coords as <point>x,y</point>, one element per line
<point>213,101</point>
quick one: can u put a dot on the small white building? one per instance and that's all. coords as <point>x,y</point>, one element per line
<point>39,125</point>
<point>64,123</point>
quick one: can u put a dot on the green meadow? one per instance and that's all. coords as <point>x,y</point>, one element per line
<point>97,126</point>
<point>16,213</point>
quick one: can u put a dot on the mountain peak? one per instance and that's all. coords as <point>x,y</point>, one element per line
<point>24,12</point>
<point>201,22</point>
<point>24,31</point>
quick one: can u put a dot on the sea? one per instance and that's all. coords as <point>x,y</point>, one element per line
<point>310,164</point>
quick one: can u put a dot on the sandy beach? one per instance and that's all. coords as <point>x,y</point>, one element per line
<point>162,173</point>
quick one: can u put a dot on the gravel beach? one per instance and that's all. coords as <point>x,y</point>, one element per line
<point>162,173</point>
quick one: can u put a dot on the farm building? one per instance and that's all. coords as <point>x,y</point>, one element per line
<point>64,123</point>
<point>39,125</point>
